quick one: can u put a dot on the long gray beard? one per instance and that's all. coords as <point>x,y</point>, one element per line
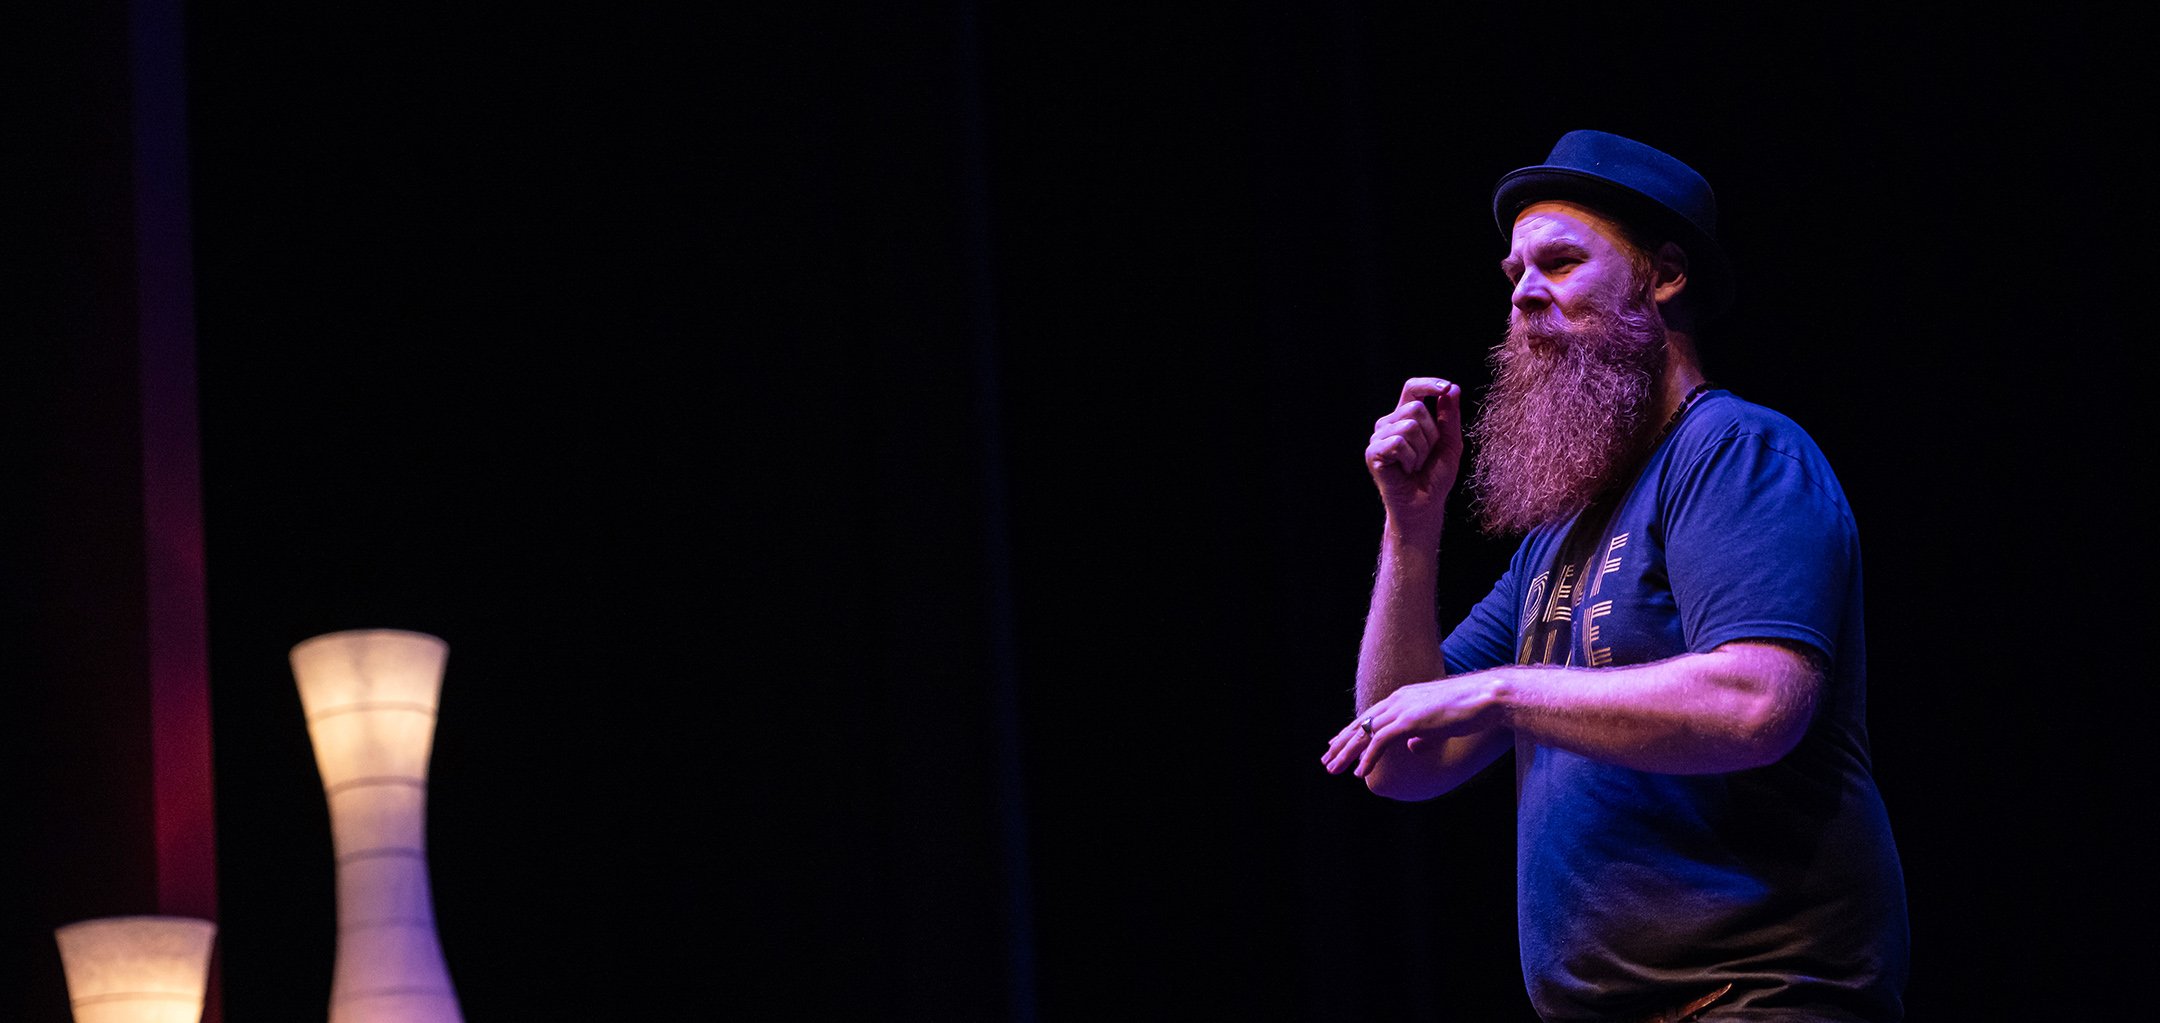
<point>1570,414</point>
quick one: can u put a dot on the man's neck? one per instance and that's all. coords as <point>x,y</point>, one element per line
<point>1682,374</point>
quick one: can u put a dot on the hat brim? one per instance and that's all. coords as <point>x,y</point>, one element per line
<point>1710,273</point>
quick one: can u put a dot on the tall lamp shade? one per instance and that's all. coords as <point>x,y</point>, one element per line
<point>136,969</point>
<point>370,698</point>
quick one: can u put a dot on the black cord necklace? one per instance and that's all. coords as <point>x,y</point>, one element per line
<point>1685,404</point>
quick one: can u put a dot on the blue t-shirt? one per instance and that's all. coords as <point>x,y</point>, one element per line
<point>1637,890</point>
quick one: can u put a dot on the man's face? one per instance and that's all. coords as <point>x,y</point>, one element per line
<point>1567,265</point>
<point>1576,382</point>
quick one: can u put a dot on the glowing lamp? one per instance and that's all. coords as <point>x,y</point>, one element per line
<point>370,698</point>
<point>136,969</point>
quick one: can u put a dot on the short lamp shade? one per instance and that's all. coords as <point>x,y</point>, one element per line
<point>136,969</point>
<point>370,698</point>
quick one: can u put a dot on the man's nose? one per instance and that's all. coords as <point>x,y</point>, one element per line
<point>1532,292</point>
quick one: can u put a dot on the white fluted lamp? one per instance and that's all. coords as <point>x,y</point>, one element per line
<point>136,969</point>
<point>370,698</point>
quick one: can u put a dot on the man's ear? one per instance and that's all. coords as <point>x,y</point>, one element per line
<point>1668,272</point>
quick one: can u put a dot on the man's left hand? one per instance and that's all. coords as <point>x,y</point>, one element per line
<point>1411,715</point>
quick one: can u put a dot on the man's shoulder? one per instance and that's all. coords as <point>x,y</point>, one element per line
<point>1727,414</point>
<point>1722,417</point>
<point>1726,434</point>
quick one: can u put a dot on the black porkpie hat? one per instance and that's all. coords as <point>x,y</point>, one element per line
<point>1637,185</point>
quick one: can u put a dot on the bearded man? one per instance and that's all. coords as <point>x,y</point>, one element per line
<point>1675,655</point>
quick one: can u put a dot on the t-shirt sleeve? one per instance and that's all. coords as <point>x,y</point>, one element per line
<point>1761,544</point>
<point>1485,638</point>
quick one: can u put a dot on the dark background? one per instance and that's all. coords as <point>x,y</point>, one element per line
<point>888,476</point>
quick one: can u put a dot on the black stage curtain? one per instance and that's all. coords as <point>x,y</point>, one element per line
<point>889,476</point>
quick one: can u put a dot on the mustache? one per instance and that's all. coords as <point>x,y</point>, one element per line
<point>1546,328</point>
<point>1541,329</point>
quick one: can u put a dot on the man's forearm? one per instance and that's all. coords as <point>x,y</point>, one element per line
<point>1742,705</point>
<point>1401,644</point>
<point>1402,647</point>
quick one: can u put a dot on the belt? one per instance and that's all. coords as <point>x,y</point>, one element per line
<point>1688,1011</point>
